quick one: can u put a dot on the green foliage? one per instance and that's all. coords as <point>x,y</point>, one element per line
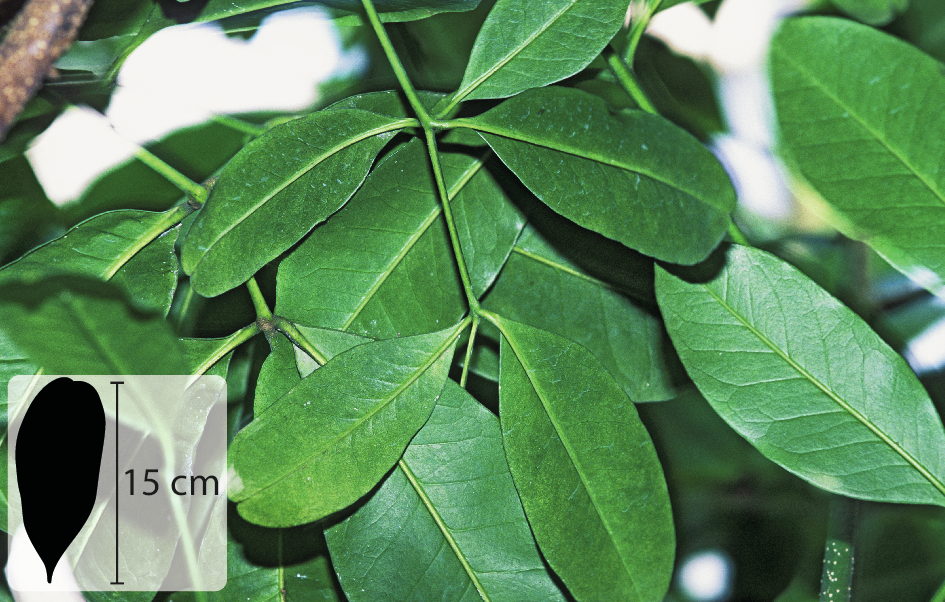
<point>465,297</point>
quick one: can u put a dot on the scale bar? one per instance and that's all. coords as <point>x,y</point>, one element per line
<point>116,383</point>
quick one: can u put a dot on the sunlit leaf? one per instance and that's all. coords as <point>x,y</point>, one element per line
<point>854,104</point>
<point>805,380</point>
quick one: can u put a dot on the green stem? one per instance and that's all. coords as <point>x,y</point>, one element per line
<point>637,29</point>
<point>399,72</point>
<point>298,339</point>
<point>837,580</point>
<point>238,124</point>
<point>450,224</point>
<point>737,235</point>
<point>262,309</point>
<point>185,184</point>
<point>469,351</point>
<point>232,342</point>
<point>628,80</point>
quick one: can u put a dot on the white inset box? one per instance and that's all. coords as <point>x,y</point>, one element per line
<point>158,522</point>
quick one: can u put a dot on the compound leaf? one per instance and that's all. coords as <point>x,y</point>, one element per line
<point>846,97</point>
<point>332,437</point>
<point>805,380</point>
<point>277,189</point>
<point>585,468</point>
<point>639,179</point>
<point>447,523</point>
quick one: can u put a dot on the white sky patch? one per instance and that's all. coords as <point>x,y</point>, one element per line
<point>182,76</point>
<point>706,576</point>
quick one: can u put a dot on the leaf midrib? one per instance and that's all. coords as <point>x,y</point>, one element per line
<point>570,452</point>
<point>325,155</point>
<point>912,461</point>
<point>393,395</point>
<point>465,178</point>
<point>441,524</point>
<point>580,153</point>
<point>473,85</point>
<point>819,85</point>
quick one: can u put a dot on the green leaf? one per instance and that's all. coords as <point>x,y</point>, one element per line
<point>209,356</point>
<point>854,110</point>
<point>389,10</point>
<point>329,440</point>
<point>126,246</point>
<point>639,179</point>
<point>447,524</point>
<point>585,468</point>
<point>872,12</point>
<point>805,380</point>
<point>528,44</point>
<point>541,288</point>
<point>278,374</point>
<point>72,325</point>
<point>277,189</point>
<point>366,269</point>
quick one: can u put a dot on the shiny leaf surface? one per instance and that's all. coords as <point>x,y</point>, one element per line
<point>277,189</point>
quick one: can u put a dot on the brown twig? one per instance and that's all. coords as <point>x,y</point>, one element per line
<point>40,33</point>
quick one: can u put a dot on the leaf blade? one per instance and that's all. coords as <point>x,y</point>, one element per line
<point>818,363</point>
<point>665,180</point>
<point>850,125</point>
<point>556,392</point>
<point>456,471</point>
<point>515,48</point>
<point>286,472</point>
<point>277,189</point>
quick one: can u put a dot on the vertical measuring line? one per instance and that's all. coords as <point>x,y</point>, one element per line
<point>117,491</point>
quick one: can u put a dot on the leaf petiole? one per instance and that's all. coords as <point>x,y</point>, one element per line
<point>469,351</point>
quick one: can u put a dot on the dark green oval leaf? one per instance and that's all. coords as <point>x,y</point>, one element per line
<point>528,44</point>
<point>447,524</point>
<point>854,106</point>
<point>585,468</point>
<point>639,180</point>
<point>331,438</point>
<point>541,288</point>
<point>277,189</point>
<point>806,381</point>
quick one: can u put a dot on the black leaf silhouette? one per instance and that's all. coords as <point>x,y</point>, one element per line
<point>59,452</point>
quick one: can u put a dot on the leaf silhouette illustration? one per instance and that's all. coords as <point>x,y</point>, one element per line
<point>65,418</point>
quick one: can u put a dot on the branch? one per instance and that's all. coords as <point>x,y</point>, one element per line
<point>38,36</point>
